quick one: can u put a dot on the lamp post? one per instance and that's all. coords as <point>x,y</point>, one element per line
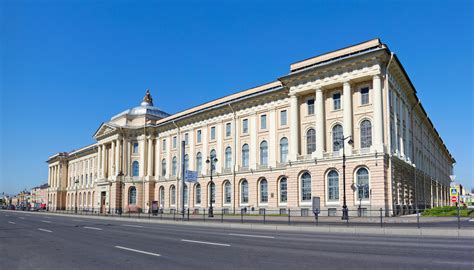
<point>122,186</point>
<point>345,213</point>
<point>75,201</point>
<point>212,161</point>
<point>360,187</point>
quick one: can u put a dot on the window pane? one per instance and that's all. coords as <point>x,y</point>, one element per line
<point>163,167</point>
<point>198,136</point>
<point>337,138</point>
<point>283,190</point>
<point>174,166</point>
<point>174,142</point>
<point>228,130</point>
<point>310,105</point>
<point>244,192</point>
<point>333,186</point>
<point>245,126</point>
<point>245,156</point>
<point>263,191</point>
<point>283,150</point>
<point>264,153</point>
<point>283,118</point>
<point>135,168</point>
<point>186,138</point>
<point>306,187</point>
<point>227,193</point>
<point>173,195</point>
<point>186,161</point>
<point>310,141</point>
<point>213,133</point>
<point>135,148</point>
<point>364,96</point>
<point>363,179</point>
<point>337,101</point>
<point>199,163</point>
<point>228,158</point>
<point>198,194</point>
<point>263,121</point>
<point>212,192</point>
<point>365,134</point>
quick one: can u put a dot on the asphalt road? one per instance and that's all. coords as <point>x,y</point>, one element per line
<point>42,241</point>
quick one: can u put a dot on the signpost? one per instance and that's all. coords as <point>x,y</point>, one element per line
<point>191,176</point>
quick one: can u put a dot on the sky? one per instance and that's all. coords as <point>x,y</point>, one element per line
<point>68,66</point>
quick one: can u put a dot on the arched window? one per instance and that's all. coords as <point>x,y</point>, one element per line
<point>198,193</point>
<point>245,156</point>
<point>213,155</point>
<point>80,199</point>
<point>173,195</point>
<point>82,180</point>
<point>174,166</point>
<point>310,141</point>
<point>87,180</point>
<point>228,157</point>
<point>244,192</point>
<point>212,192</point>
<point>306,187</point>
<point>135,168</point>
<point>283,150</point>
<point>283,190</point>
<point>264,153</point>
<point>186,162</point>
<point>163,167</point>
<point>263,191</point>
<point>362,178</point>
<point>337,138</point>
<point>333,186</point>
<point>162,197</point>
<point>185,194</point>
<point>365,134</point>
<point>227,193</point>
<point>199,163</point>
<point>132,195</point>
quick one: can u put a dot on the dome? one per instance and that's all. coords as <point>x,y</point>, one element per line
<point>145,108</point>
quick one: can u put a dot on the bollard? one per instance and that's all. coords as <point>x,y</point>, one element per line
<point>241,215</point>
<point>381,221</point>
<point>264,214</point>
<point>188,214</point>
<point>174,214</point>
<point>289,217</point>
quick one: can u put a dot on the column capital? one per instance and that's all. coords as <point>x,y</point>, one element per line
<point>346,83</point>
<point>376,76</point>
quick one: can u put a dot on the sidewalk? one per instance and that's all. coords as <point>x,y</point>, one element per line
<point>359,230</point>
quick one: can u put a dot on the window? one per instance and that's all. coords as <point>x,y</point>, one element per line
<point>333,186</point>
<point>228,157</point>
<point>198,136</point>
<point>283,190</point>
<point>90,178</point>
<point>263,121</point>
<point>135,168</point>
<point>263,191</point>
<point>244,192</point>
<point>174,167</point>
<point>163,167</point>
<point>186,162</point>
<point>87,181</point>
<point>364,96</point>
<point>245,156</point>
<point>199,162</point>
<point>310,105</point>
<point>337,138</point>
<point>283,150</point>
<point>212,192</point>
<point>162,197</point>
<point>310,141</point>
<point>186,138</point>
<point>213,133</point>
<point>365,134</point>
<point>173,195</point>
<point>245,126</point>
<point>198,193</point>
<point>174,141</point>
<point>227,193</point>
<point>228,129</point>
<point>264,153</point>
<point>336,98</point>
<point>132,195</point>
<point>213,156</point>
<point>283,118</point>
<point>135,148</point>
<point>164,144</point>
<point>185,194</point>
<point>362,178</point>
<point>306,187</point>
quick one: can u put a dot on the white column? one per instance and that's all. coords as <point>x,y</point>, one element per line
<point>141,167</point>
<point>157,159</point>
<point>219,148</point>
<point>254,144</point>
<point>294,129</point>
<point>273,144</point>
<point>378,114</point>
<point>149,168</point>
<point>320,124</point>
<point>205,154</point>
<point>402,135</point>
<point>127,158</point>
<point>347,95</point>
<point>116,156</point>
<point>191,154</point>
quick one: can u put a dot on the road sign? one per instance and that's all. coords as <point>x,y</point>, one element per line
<point>454,198</point>
<point>453,191</point>
<point>191,176</point>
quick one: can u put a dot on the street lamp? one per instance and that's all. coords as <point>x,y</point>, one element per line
<point>345,214</point>
<point>212,161</point>
<point>360,187</point>
<point>122,186</point>
<point>75,201</point>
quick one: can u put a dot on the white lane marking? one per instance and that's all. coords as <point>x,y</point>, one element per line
<point>205,243</point>
<point>21,217</point>
<point>45,221</point>
<point>139,251</point>
<point>252,235</point>
<point>471,220</point>
<point>44,230</point>
<point>47,217</point>
<point>7,215</point>
<point>92,228</point>
<point>11,222</point>
<point>448,262</point>
<point>77,220</point>
<point>134,226</point>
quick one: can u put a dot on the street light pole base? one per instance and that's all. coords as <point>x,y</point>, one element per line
<point>345,213</point>
<point>211,212</point>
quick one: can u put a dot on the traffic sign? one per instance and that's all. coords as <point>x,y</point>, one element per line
<point>454,198</point>
<point>454,191</point>
<point>191,176</point>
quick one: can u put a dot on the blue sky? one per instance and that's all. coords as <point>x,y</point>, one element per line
<point>68,66</point>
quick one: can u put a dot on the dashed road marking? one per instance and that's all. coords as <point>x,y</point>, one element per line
<point>252,235</point>
<point>93,228</point>
<point>205,243</point>
<point>77,220</point>
<point>21,217</point>
<point>44,230</point>
<point>138,251</point>
<point>134,226</point>
<point>11,222</point>
<point>46,221</point>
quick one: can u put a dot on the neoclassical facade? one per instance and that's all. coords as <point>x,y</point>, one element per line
<point>277,146</point>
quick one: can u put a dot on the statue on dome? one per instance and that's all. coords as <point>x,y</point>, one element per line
<point>148,99</point>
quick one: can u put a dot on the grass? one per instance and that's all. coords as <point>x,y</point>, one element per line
<point>446,211</point>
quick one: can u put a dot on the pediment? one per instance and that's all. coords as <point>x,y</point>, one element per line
<point>104,129</point>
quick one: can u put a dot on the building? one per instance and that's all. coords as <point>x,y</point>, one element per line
<point>39,196</point>
<point>277,146</point>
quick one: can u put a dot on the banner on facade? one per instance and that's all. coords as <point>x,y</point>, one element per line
<point>191,176</point>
